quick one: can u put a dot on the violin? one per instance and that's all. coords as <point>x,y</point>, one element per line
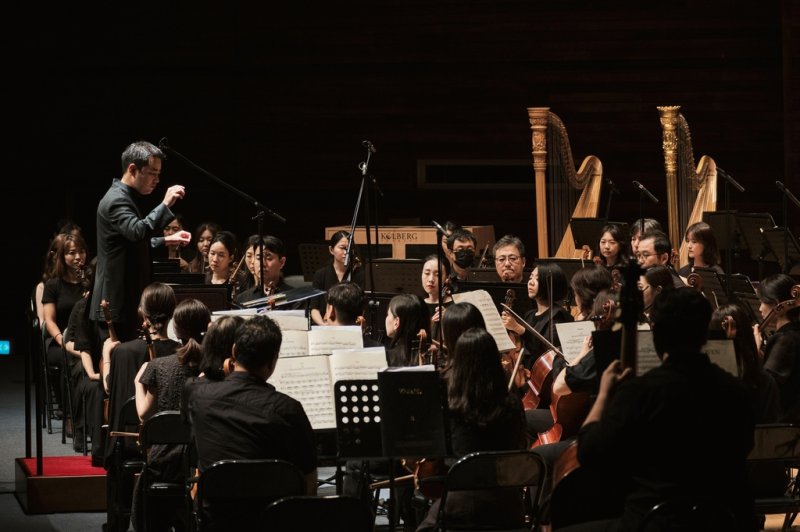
<point>233,279</point>
<point>112,334</point>
<point>148,338</point>
<point>779,310</point>
<point>511,360</point>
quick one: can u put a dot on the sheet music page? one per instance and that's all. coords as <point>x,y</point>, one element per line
<point>646,357</point>
<point>494,323</point>
<point>290,320</point>
<point>246,313</point>
<point>357,364</point>
<point>723,354</point>
<point>572,335</point>
<point>308,379</point>
<point>323,339</point>
<point>294,344</point>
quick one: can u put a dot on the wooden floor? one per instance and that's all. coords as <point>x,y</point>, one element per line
<point>775,522</point>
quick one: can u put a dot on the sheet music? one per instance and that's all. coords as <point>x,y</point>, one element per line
<point>289,320</point>
<point>571,335</point>
<point>308,379</point>
<point>294,344</point>
<point>324,339</point>
<point>246,313</point>
<point>723,354</point>
<point>357,364</point>
<point>487,308</point>
<point>646,356</point>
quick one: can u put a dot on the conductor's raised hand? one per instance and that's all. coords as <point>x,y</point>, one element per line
<point>179,238</point>
<point>174,193</point>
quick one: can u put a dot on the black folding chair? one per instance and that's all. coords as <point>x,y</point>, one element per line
<point>126,462</point>
<point>233,494</point>
<point>772,466</point>
<point>333,513</point>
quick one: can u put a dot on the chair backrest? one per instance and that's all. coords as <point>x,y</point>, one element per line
<point>334,513</point>
<point>688,514</point>
<point>236,492</point>
<point>165,427</point>
<point>499,471</point>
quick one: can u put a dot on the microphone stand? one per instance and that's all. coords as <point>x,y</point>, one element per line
<point>261,210</point>
<point>612,190</point>
<point>726,202</point>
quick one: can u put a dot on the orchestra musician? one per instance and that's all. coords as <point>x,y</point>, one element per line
<point>613,246</point>
<point>655,250</point>
<point>702,249</point>
<point>203,235</point>
<point>462,246</point>
<point>218,347</point>
<point>509,259</point>
<point>346,302</point>
<point>430,283</point>
<point>483,416</point>
<point>272,262</point>
<point>654,280</point>
<point>222,259</point>
<point>632,435</point>
<point>782,348</point>
<point>406,316</point>
<point>640,227</point>
<point>335,272</point>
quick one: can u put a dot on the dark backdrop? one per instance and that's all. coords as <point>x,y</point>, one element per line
<point>275,99</point>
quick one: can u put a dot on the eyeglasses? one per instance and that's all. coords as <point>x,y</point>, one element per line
<point>513,259</point>
<point>644,255</point>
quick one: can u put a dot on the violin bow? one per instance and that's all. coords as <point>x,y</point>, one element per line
<point>530,329</point>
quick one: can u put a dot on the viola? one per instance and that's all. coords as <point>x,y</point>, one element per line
<point>148,338</point>
<point>779,310</point>
<point>510,360</point>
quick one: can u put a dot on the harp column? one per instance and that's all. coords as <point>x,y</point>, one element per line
<point>538,118</point>
<point>669,128</point>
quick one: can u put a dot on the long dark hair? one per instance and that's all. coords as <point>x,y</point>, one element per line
<point>703,233</point>
<point>191,318</point>
<point>413,315</point>
<point>477,390</point>
<point>217,346</point>
<point>458,318</point>
<point>777,288</point>
<point>624,254</point>
<point>744,343</point>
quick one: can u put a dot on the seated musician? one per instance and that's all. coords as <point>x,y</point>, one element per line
<point>483,416</point>
<point>461,245</point>
<point>274,259</point>
<point>346,307</point>
<point>244,417</point>
<point>614,252</point>
<point>509,259</point>
<point>640,227</point>
<point>655,250</point>
<point>430,283</point>
<point>701,245</point>
<point>655,280</point>
<point>782,349</point>
<point>630,433</point>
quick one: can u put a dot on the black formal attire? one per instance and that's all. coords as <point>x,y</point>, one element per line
<point>544,324</point>
<point>255,292</point>
<point>782,361</point>
<point>126,359</point>
<point>244,417</point>
<point>326,277</point>
<point>689,268</point>
<point>497,507</point>
<point>63,295</point>
<point>123,255</point>
<point>638,438</point>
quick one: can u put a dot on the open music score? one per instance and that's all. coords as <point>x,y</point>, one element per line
<point>320,340</point>
<point>494,323</point>
<point>310,379</point>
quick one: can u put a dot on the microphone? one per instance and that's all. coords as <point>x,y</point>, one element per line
<point>612,186</point>
<point>787,193</point>
<point>645,191</point>
<point>367,144</point>
<point>163,144</point>
<point>729,179</point>
<point>439,227</point>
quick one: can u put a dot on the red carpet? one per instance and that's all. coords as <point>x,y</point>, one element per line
<point>63,466</point>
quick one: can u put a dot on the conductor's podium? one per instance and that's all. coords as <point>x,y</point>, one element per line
<point>411,241</point>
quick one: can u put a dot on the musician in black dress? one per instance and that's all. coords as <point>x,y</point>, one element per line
<point>335,272</point>
<point>702,248</point>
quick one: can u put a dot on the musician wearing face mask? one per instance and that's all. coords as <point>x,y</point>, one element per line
<point>461,245</point>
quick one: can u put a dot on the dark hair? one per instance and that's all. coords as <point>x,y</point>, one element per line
<point>444,265</point>
<point>139,154</point>
<point>413,315</point>
<point>509,240</point>
<point>458,318</point>
<point>661,243</point>
<point>650,225</point>
<point>680,320</point>
<point>551,273</point>
<point>348,300</point>
<point>462,235</point>
<point>157,305</point>
<point>450,226</point>
<point>477,390</point>
<point>60,244</point>
<point>227,239</point>
<point>217,345</point>
<point>599,312</point>
<point>623,256</point>
<point>659,276</point>
<point>744,343</point>
<point>191,319</point>
<point>338,235</point>
<point>587,283</point>
<point>777,288</point>
<point>206,226</point>
<point>703,233</point>
<point>258,342</point>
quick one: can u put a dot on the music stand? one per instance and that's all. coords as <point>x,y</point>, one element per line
<point>313,256</point>
<point>751,304</point>
<point>739,282</point>
<point>396,276</point>
<point>589,231</point>
<point>522,303</point>
<point>358,419</point>
<point>215,296</point>
<point>783,245</point>
<point>750,225</point>
<point>482,275</point>
<point>726,229</point>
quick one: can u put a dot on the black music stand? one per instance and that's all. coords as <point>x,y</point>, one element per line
<point>782,243</point>
<point>396,276</point>
<point>750,225</point>
<point>482,275</point>
<point>313,256</point>
<point>751,304</point>
<point>358,419</point>
<point>522,302</point>
<point>215,296</point>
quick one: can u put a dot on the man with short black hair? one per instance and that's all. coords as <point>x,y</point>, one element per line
<point>462,246</point>
<point>509,259</point>
<point>655,250</point>
<point>345,306</point>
